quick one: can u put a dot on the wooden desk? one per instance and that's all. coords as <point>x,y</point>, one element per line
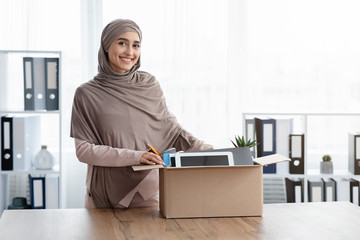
<point>327,220</point>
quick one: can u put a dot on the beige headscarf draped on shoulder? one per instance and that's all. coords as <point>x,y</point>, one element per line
<point>122,111</point>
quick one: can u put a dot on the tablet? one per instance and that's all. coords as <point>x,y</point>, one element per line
<point>191,159</point>
<point>241,155</point>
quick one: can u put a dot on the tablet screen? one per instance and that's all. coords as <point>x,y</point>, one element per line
<point>187,161</point>
<point>191,159</point>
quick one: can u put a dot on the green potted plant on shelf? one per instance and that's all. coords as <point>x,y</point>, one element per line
<point>326,166</point>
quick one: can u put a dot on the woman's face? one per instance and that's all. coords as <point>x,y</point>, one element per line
<point>124,52</point>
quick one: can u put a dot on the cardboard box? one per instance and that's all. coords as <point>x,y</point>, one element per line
<point>226,191</point>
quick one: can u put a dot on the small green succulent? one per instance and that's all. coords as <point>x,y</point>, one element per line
<point>326,158</point>
<point>241,142</point>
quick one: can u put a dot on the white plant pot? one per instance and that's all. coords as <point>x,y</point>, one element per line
<point>326,167</point>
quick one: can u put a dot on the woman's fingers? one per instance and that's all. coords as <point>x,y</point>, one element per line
<point>151,159</point>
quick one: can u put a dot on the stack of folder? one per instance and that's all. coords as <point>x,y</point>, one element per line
<point>41,83</point>
<point>277,136</point>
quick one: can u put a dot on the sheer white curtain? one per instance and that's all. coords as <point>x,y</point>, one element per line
<point>304,56</point>
<point>49,26</point>
<point>52,26</point>
<point>216,59</point>
<point>187,46</point>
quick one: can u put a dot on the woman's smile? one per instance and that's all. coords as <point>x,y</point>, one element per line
<point>124,52</point>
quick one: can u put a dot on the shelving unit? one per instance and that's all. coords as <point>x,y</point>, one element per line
<point>12,103</point>
<point>325,133</point>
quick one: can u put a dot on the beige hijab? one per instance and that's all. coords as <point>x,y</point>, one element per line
<point>122,111</point>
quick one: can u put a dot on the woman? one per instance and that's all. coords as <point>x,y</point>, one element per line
<point>115,116</point>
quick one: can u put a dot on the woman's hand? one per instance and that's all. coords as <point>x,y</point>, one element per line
<point>151,159</point>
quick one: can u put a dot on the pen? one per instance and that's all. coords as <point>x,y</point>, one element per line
<point>151,149</point>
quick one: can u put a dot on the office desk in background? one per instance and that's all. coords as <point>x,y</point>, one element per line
<point>326,220</point>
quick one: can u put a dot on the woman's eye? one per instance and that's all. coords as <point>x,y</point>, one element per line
<point>136,45</point>
<point>122,43</point>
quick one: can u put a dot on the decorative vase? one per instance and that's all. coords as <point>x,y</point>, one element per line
<point>326,167</point>
<point>44,159</point>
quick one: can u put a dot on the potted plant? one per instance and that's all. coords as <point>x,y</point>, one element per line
<point>326,166</point>
<point>241,153</point>
<point>241,142</point>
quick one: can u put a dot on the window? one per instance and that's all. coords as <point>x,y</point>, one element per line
<point>216,59</point>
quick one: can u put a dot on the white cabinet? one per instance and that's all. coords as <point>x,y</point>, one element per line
<point>15,182</point>
<point>324,133</point>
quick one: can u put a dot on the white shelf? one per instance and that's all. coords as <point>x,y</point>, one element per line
<point>32,52</point>
<point>336,173</point>
<point>11,85</point>
<point>320,140</point>
<point>325,133</point>
<point>32,171</point>
<point>36,112</point>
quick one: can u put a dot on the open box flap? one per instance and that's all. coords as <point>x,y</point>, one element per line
<point>146,167</point>
<point>271,159</point>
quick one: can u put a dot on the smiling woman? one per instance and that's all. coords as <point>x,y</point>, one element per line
<point>114,118</point>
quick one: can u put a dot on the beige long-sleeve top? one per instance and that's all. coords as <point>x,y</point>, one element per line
<point>146,192</point>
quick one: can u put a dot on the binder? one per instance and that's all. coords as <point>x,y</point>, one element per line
<point>34,83</point>
<point>37,192</point>
<point>51,191</point>
<point>1,151</point>
<point>52,83</point>
<point>29,103</point>
<point>7,143</point>
<point>26,140</point>
<point>355,191</point>
<point>296,153</point>
<point>342,186</point>
<point>330,189</point>
<point>315,190</point>
<point>294,190</point>
<point>250,134</point>
<point>354,153</point>
<point>266,140</point>
<point>284,127</point>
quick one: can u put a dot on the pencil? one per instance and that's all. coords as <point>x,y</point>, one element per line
<point>154,150</point>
